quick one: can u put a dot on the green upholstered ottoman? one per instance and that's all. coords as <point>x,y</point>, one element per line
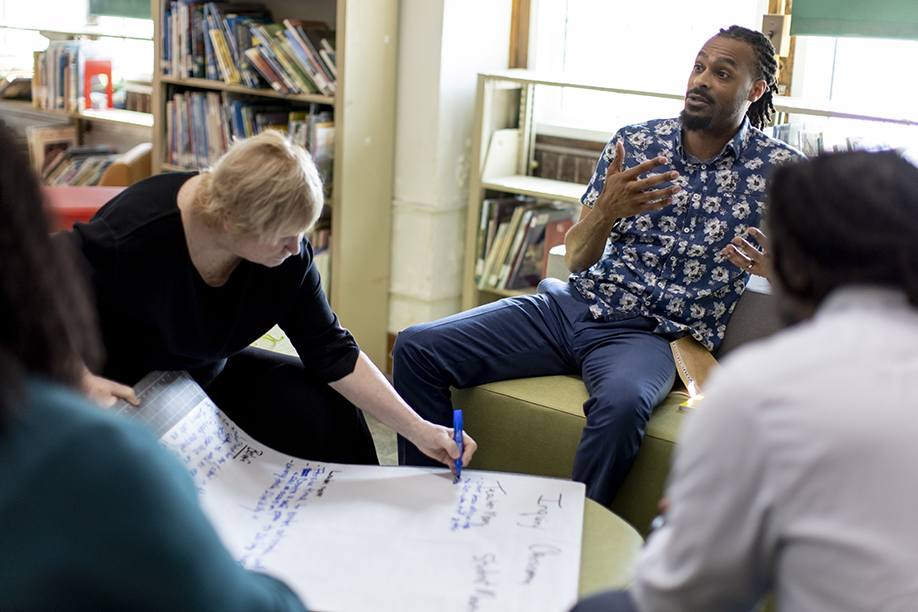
<point>533,426</point>
<point>608,553</point>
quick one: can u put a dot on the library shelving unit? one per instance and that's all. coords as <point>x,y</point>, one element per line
<point>122,128</point>
<point>503,144</point>
<point>84,117</point>
<point>364,116</point>
<point>20,114</point>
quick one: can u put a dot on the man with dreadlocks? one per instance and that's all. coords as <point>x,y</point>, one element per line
<point>650,258</point>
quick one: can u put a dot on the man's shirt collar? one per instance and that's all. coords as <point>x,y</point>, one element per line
<point>734,146</point>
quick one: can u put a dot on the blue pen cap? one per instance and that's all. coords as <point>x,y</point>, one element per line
<point>457,436</point>
<point>457,426</point>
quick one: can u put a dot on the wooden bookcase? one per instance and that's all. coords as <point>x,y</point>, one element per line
<point>364,109</point>
<point>503,143</point>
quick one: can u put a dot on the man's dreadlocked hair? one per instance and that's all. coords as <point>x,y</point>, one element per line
<point>762,110</point>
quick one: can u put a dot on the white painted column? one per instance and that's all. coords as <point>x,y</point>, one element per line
<point>443,45</point>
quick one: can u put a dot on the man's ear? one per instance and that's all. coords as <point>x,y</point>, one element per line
<point>758,90</point>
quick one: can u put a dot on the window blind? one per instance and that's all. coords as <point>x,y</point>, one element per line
<point>136,9</point>
<point>876,19</point>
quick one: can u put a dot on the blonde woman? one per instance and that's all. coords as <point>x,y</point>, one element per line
<point>191,268</point>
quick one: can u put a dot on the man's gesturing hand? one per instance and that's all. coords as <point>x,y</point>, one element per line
<point>626,194</point>
<point>745,255</point>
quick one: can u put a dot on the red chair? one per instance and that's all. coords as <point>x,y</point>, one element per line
<point>64,205</point>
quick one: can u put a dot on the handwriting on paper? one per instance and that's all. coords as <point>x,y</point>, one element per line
<point>478,503</point>
<point>205,441</point>
<point>537,518</point>
<point>247,453</point>
<point>518,537</point>
<point>278,506</point>
<point>485,583</point>
<point>536,553</point>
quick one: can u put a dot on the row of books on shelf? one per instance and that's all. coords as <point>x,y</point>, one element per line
<point>59,160</point>
<point>73,76</point>
<point>813,140</point>
<point>514,237</point>
<point>201,125</point>
<point>239,44</point>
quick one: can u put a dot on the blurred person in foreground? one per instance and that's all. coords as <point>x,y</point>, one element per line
<point>95,514</point>
<point>797,474</point>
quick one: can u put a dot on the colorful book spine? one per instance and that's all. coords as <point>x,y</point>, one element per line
<point>224,60</point>
<point>305,62</point>
<point>264,68</point>
<point>285,55</point>
<point>266,49</point>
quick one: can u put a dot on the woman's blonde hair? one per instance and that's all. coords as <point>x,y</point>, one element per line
<point>264,186</point>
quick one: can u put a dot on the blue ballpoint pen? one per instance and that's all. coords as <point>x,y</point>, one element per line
<point>457,436</point>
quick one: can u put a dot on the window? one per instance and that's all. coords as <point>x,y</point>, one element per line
<point>868,75</point>
<point>635,45</point>
<point>128,40</point>
<point>650,46</point>
<point>17,45</point>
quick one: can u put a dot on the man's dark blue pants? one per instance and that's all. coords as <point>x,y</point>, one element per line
<point>627,370</point>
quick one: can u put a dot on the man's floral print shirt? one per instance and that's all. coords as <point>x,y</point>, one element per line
<point>667,264</point>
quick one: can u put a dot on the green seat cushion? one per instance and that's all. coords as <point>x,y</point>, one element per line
<point>533,426</point>
<point>609,551</point>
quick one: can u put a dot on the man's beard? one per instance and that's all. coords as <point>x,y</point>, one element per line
<point>693,123</point>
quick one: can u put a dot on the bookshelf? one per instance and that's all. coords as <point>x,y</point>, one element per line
<point>52,95</point>
<point>60,115</point>
<point>364,112</point>
<point>503,145</point>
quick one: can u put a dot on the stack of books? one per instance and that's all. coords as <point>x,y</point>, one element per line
<point>62,71</point>
<point>814,140</point>
<point>79,165</point>
<point>58,160</point>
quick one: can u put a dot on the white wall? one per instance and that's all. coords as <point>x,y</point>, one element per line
<point>443,45</point>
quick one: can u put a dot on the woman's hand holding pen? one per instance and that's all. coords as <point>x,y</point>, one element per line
<point>369,390</point>
<point>437,442</point>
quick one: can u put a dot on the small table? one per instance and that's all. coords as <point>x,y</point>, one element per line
<point>608,552</point>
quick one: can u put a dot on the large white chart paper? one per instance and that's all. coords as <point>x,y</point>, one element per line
<point>369,538</point>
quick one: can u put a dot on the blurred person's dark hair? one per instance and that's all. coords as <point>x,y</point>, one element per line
<point>48,323</point>
<point>844,219</point>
